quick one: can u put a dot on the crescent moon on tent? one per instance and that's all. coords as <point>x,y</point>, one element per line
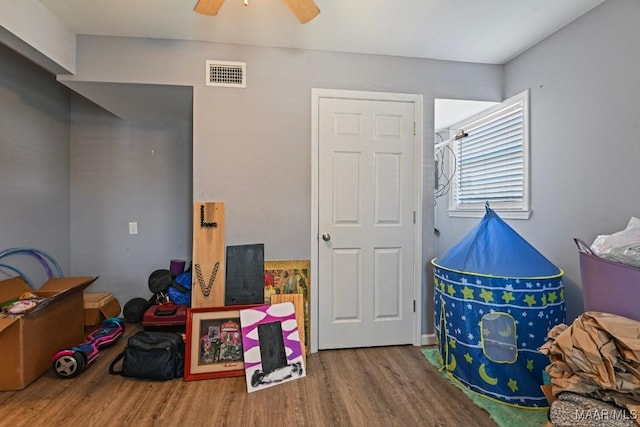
<point>451,366</point>
<point>485,377</point>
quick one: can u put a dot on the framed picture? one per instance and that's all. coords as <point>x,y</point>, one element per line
<point>214,343</point>
<point>273,352</point>
<point>290,277</point>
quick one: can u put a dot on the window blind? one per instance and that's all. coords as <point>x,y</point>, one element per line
<point>490,161</point>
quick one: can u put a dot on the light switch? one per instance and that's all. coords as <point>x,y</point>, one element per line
<point>133,228</point>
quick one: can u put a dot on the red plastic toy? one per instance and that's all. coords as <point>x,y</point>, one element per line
<point>166,316</point>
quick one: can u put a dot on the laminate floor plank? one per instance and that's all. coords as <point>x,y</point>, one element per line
<point>367,387</point>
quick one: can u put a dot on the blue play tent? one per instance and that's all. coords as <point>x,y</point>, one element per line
<point>496,298</point>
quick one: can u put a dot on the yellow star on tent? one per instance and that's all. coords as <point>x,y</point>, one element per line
<point>452,343</point>
<point>468,358</point>
<point>530,300</point>
<point>552,297</point>
<point>543,299</point>
<point>561,294</point>
<point>467,292</point>
<point>513,385</point>
<point>530,365</point>
<point>486,295</point>
<point>450,290</point>
<point>507,297</point>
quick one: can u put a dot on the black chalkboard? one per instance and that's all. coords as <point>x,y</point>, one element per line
<point>244,281</point>
<point>272,350</point>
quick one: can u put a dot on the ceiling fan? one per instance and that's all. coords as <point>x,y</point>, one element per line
<point>304,10</point>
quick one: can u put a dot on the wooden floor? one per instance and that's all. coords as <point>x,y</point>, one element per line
<point>385,386</point>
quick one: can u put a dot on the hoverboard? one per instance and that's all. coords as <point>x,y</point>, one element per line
<point>70,362</point>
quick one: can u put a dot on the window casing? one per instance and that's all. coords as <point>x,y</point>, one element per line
<point>492,162</point>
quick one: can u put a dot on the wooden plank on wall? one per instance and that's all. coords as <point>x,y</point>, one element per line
<point>298,306</point>
<point>207,288</point>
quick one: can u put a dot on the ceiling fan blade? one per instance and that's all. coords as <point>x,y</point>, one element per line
<point>305,10</point>
<point>208,7</point>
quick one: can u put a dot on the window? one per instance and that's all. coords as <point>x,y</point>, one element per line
<point>492,161</point>
<point>498,332</point>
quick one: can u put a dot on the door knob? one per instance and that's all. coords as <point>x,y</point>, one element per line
<point>326,237</point>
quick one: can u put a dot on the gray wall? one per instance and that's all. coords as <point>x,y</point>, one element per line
<point>585,150</point>
<point>34,165</point>
<point>128,171</point>
<point>251,147</point>
<point>247,147</point>
<point>73,176</point>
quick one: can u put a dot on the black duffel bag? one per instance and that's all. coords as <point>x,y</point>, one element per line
<point>152,355</point>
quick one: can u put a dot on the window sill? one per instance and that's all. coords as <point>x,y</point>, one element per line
<point>504,214</point>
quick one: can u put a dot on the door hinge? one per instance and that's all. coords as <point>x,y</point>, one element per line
<point>415,132</point>
<point>414,217</point>
<point>414,306</point>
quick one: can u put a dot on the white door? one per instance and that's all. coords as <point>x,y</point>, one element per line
<point>365,223</point>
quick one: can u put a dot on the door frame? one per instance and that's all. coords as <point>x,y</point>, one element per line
<point>416,99</point>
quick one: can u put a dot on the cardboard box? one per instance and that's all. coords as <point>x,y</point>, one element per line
<point>28,342</point>
<point>547,389</point>
<point>99,306</point>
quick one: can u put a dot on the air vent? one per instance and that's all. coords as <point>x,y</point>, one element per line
<point>225,73</point>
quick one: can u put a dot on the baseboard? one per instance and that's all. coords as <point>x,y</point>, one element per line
<point>428,339</point>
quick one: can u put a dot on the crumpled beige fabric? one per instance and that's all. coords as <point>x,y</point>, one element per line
<point>597,356</point>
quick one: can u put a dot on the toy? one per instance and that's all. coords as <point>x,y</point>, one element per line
<point>165,316</point>
<point>70,362</point>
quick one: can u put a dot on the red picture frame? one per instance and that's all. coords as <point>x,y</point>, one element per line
<point>214,343</point>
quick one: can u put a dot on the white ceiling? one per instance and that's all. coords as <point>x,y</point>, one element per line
<point>484,31</point>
